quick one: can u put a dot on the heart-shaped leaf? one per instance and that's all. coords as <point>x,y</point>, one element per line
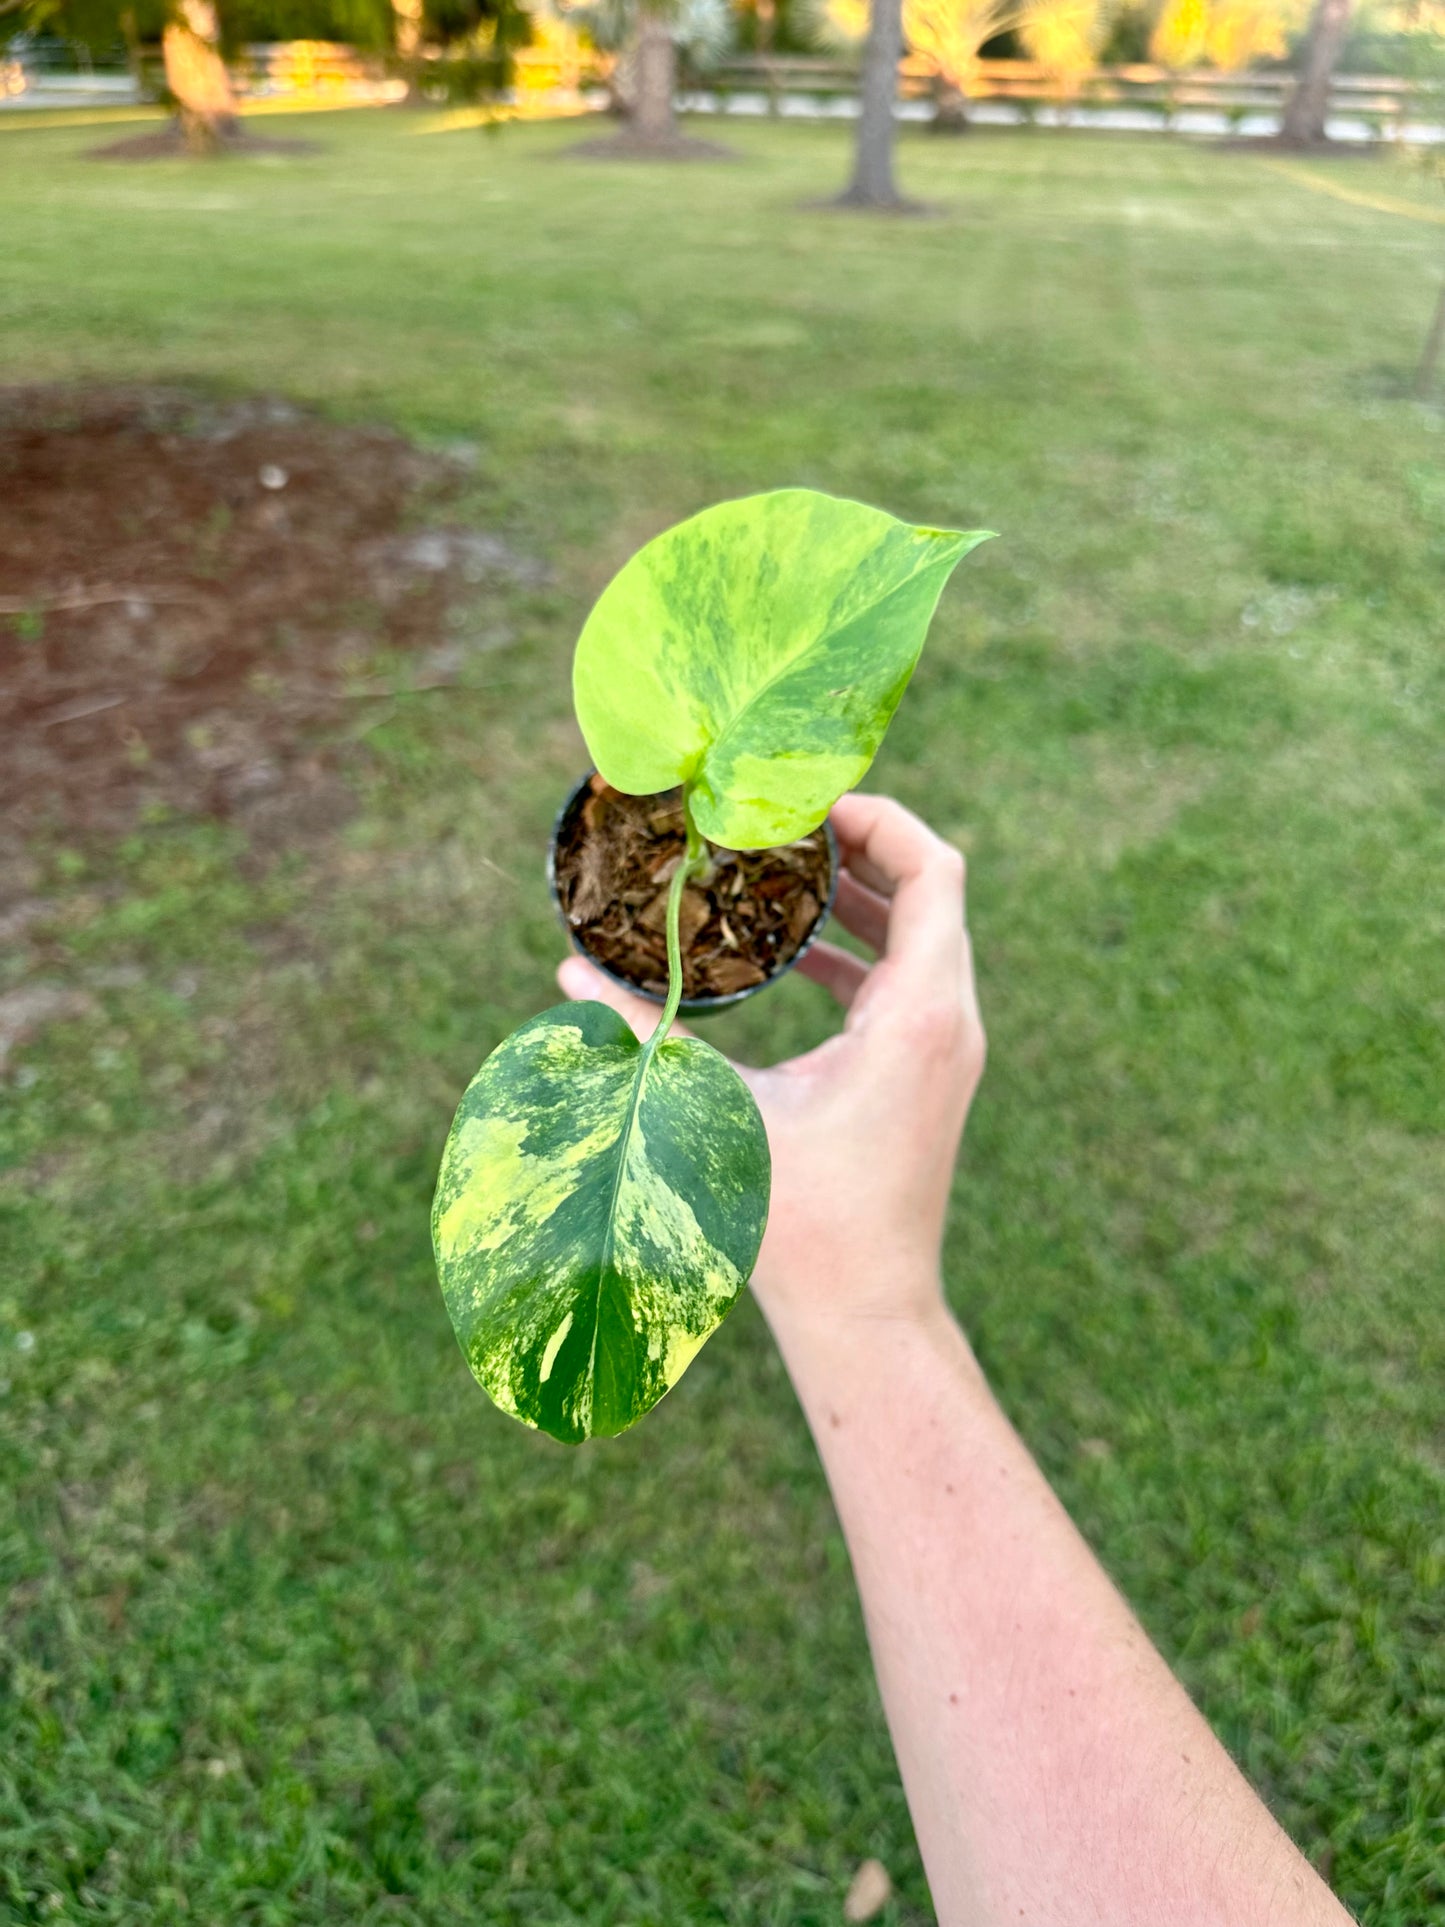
<point>757,653</point>
<point>599,1209</point>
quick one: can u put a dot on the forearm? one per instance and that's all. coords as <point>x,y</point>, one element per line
<point>1055,1770</point>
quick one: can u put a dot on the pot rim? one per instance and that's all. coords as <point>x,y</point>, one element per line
<point>690,1006</point>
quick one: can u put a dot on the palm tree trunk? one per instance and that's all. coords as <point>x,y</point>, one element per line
<point>196,75</point>
<point>406,19</point>
<point>130,34</point>
<point>653,120</point>
<point>873,184</point>
<point>1308,106</point>
<point>950,107</point>
<point>1430,353</point>
<point>767,17</point>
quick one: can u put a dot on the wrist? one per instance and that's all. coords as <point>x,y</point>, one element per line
<point>837,1345</point>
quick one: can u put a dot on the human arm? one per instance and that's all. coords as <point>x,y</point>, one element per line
<point>1055,1770</point>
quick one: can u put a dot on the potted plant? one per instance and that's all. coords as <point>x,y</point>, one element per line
<point>602,1199</point>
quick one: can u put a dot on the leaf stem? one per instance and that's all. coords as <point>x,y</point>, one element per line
<point>694,859</point>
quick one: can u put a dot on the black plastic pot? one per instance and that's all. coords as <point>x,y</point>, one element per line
<point>690,1006</point>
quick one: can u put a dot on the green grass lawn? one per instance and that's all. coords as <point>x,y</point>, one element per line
<point>294,1627</point>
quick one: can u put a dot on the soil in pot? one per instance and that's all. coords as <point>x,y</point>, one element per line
<point>740,924</point>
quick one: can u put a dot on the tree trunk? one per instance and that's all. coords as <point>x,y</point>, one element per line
<point>950,107</point>
<point>873,184</point>
<point>130,34</point>
<point>197,77</point>
<point>1430,353</point>
<point>406,19</point>
<point>767,15</point>
<point>653,122</point>
<point>618,105</point>
<point>1308,106</point>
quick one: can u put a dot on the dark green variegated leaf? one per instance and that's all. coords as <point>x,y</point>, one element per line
<point>599,1209</point>
<point>757,653</point>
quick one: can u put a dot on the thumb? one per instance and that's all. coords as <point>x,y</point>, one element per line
<point>585,982</point>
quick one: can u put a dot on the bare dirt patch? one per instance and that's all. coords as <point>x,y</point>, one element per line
<point>194,596</point>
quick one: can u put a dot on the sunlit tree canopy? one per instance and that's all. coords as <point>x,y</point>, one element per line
<point>1228,34</point>
<point>1064,36</point>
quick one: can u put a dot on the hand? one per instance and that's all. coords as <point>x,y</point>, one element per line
<point>864,1130</point>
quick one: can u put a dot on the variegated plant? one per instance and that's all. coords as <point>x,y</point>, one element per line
<point>602,1200</point>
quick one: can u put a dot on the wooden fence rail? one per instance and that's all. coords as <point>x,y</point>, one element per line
<point>1384,105</point>
<point>1154,90</point>
<point>324,65</point>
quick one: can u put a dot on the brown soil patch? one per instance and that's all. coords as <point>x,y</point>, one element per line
<point>194,596</point>
<point>616,856</point>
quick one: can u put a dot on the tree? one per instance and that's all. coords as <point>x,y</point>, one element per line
<point>873,184</point>
<point>875,26</point>
<point>643,39</point>
<point>1308,106</point>
<point>1430,353</point>
<point>1179,33</point>
<point>654,119</point>
<point>1243,31</point>
<point>189,31</point>
<point>1425,65</point>
<point>1066,38</point>
<point>1228,34</point>
<point>194,39</point>
<point>948,36</point>
<point>461,50</point>
<point>765,27</point>
<point>407,21</point>
<point>197,78</point>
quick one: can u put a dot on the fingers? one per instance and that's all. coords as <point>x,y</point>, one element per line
<point>888,848</point>
<point>839,972</point>
<point>587,984</point>
<point>901,891</point>
<point>866,873</point>
<point>861,911</point>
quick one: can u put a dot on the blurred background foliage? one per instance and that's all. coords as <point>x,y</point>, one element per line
<point>1070,36</point>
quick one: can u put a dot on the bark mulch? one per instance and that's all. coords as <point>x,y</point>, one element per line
<point>739,925</point>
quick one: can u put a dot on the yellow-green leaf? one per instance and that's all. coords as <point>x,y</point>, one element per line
<point>757,653</point>
<point>599,1209</point>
